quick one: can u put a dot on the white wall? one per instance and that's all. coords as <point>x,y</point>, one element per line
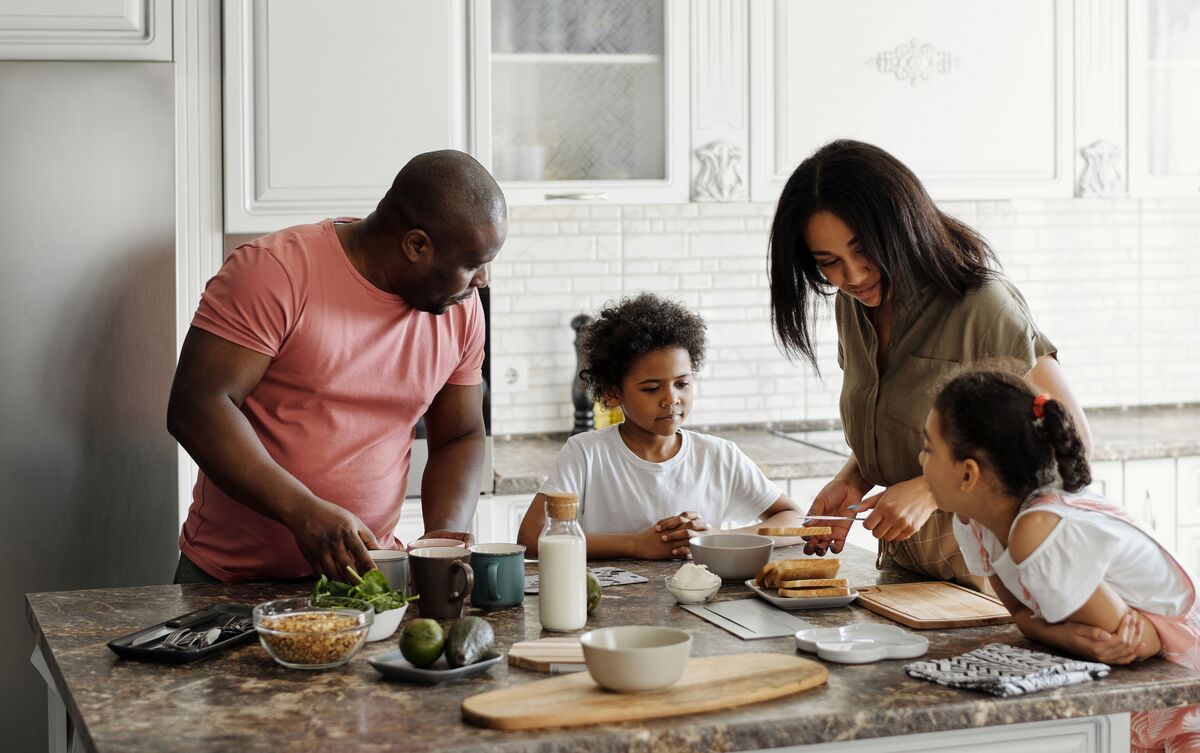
<point>1111,281</point>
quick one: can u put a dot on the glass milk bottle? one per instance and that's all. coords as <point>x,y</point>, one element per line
<point>562,566</point>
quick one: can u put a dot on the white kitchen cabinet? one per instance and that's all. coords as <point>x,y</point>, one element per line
<point>938,83</point>
<point>583,100</point>
<point>1150,496</point>
<point>1108,478</point>
<point>325,102</point>
<point>1164,97</point>
<point>85,30</point>
<point>499,516</point>
<point>1187,491</point>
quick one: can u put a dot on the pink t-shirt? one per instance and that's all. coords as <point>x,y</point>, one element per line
<point>353,368</point>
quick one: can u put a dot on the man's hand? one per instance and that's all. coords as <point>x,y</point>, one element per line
<point>834,499</point>
<point>1098,644</point>
<point>900,510</point>
<point>667,539</point>
<point>332,538</point>
<point>463,536</point>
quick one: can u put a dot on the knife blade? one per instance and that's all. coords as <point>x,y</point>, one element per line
<point>142,640</point>
<point>832,517</point>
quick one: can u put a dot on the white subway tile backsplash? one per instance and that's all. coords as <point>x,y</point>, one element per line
<point>1111,281</point>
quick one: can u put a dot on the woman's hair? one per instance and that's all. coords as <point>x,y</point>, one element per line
<point>629,330</point>
<point>897,225</point>
<point>988,415</point>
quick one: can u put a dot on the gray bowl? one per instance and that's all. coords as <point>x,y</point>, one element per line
<point>733,556</point>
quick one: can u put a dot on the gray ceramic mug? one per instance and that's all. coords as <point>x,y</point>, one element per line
<point>443,580</point>
<point>499,575</point>
<point>393,563</point>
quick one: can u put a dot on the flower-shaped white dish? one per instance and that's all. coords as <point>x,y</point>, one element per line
<point>861,643</point>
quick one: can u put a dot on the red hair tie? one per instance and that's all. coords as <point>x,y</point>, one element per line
<point>1039,406</point>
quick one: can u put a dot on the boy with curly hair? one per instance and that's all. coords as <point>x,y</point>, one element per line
<point>646,486</point>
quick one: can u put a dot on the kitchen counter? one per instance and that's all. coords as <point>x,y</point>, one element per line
<point>242,700</point>
<point>816,450</point>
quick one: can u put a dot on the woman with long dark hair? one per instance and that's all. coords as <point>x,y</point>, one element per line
<point>916,295</point>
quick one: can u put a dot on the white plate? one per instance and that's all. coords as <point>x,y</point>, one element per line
<point>862,643</point>
<point>818,602</point>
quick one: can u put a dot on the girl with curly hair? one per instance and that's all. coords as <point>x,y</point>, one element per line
<point>646,485</point>
<point>1076,572</point>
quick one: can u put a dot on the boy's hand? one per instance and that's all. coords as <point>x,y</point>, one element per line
<point>667,539</point>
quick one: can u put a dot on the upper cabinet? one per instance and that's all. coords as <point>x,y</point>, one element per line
<point>325,102</point>
<point>976,97</point>
<point>1164,97</point>
<point>583,100</point>
<point>85,30</point>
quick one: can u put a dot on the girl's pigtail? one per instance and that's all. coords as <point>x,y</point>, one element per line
<point>1058,427</point>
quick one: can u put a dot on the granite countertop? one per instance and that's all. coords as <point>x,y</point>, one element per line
<point>242,700</point>
<point>817,449</point>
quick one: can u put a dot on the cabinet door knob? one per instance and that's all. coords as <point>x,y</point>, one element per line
<point>578,196</point>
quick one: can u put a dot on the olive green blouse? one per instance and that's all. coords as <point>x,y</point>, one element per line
<point>883,414</point>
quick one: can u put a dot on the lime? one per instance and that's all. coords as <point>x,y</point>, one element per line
<point>422,642</point>
<point>593,591</point>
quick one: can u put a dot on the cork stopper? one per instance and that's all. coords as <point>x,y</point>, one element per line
<point>561,506</point>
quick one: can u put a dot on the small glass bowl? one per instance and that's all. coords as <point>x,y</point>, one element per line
<point>701,595</point>
<point>299,635</point>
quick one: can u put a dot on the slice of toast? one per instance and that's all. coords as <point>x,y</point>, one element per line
<point>812,593</point>
<point>803,569</point>
<point>805,531</point>
<point>813,583</point>
<point>772,574</point>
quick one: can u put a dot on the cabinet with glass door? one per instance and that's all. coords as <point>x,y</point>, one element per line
<point>1164,97</point>
<point>583,101</point>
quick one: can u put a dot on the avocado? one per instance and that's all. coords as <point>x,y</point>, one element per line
<point>469,641</point>
<point>593,591</point>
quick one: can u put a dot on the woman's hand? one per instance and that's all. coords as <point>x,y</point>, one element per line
<point>1098,644</point>
<point>900,510</point>
<point>835,498</point>
<point>667,539</point>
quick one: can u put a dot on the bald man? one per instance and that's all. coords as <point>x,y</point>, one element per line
<point>312,355</point>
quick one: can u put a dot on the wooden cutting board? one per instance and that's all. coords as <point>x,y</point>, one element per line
<point>541,655</point>
<point>708,684</point>
<point>937,604</point>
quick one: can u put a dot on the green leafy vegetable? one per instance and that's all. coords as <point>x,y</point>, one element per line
<point>372,588</point>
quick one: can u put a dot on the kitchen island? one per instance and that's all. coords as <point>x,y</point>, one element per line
<point>242,700</point>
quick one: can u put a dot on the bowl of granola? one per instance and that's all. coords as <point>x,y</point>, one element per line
<point>300,635</point>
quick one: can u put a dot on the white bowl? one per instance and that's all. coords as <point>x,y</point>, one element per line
<point>385,624</point>
<point>733,556</point>
<point>636,658</point>
<point>692,595</point>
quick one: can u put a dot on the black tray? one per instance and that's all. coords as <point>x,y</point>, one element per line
<point>199,620</point>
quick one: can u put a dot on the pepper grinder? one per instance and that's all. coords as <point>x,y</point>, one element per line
<point>584,416</point>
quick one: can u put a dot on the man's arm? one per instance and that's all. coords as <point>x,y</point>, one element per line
<point>212,380</point>
<point>450,487</point>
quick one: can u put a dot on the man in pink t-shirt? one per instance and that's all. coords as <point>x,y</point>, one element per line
<point>313,354</point>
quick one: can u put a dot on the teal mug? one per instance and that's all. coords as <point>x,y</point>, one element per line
<point>499,575</point>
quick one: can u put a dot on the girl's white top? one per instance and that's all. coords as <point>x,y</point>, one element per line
<point>1083,549</point>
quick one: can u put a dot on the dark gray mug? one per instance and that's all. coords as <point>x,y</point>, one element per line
<point>442,578</point>
<point>499,575</point>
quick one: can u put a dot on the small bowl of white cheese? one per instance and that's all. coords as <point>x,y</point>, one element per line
<point>693,584</point>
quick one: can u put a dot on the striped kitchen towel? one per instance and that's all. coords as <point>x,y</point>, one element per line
<point>1007,670</point>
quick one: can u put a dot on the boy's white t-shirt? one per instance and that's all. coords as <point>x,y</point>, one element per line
<point>620,492</point>
<point>1083,549</point>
